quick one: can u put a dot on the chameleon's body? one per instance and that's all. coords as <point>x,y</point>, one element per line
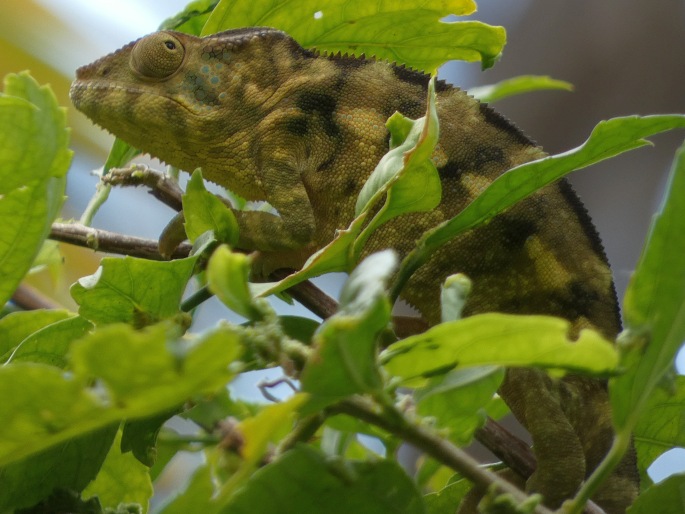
<point>274,122</point>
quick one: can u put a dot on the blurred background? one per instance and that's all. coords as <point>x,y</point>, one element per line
<point>623,57</point>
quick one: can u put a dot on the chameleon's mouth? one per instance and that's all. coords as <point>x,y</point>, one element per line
<point>87,95</point>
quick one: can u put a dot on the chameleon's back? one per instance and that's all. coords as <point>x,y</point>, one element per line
<point>272,121</point>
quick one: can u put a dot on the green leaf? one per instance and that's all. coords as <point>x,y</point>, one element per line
<point>667,497</point>
<point>131,290</point>
<point>34,158</point>
<point>344,359</point>
<point>70,465</point>
<point>50,344</point>
<point>609,138</point>
<point>502,340</point>
<point>119,155</point>
<point>140,437</point>
<point>359,27</point>
<point>661,425</point>
<point>122,479</point>
<point>458,399</point>
<point>34,136</point>
<point>517,86</point>
<point>227,274</point>
<point>302,480</point>
<point>191,19</point>
<point>17,326</point>
<point>654,305</point>
<point>203,211</point>
<point>41,406</point>
<point>445,500</point>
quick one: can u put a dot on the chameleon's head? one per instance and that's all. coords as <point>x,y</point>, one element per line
<point>174,95</point>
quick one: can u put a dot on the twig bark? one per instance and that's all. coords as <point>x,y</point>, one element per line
<point>440,449</point>
<point>165,189</point>
<point>111,242</point>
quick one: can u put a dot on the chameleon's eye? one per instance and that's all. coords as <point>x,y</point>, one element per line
<point>157,56</point>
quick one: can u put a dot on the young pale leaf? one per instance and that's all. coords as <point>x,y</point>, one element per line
<point>458,399</point>
<point>227,274</point>
<point>359,27</point>
<point>303,480</point>
<point>39,408</point>
<point>344,361</point>
<point>609,138</point>
<point>517,86</point>
<point>150,371</point>
<point>661,425</point>
<point>27,482</point>
<point>50,344</point>
<point>131,290</point>
<point>203,211</point>
<point>654,304</point>
<point>501,340</point>
<point>43,407</point>
<point>122,479</point>
<point>34,158</point>
<point>17,326</point>
<point>667,497</point>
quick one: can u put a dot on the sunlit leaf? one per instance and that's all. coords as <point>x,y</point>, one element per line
<point>132,290</point>
<point>359,27</point>
<point>34,158</point>
<point>667,497</point>
<point>501,340</point>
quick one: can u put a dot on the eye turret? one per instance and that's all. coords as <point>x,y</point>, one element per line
<point>157,56</point>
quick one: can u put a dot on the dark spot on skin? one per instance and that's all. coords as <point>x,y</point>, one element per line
<point>350,187</point>
<point>298,126</point>
<point>453,169</point>
<point>411,108</point>
<point>500,122</point>
<point>322,104</point>
<point>487,154</point>
<point>327,163</point>
<point>411,76</point>
<point>514,232</point>
<point>582,297</point>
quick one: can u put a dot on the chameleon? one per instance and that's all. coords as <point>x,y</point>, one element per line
<point>303,130</point>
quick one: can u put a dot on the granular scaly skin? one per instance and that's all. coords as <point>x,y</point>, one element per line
<point>272,121</point>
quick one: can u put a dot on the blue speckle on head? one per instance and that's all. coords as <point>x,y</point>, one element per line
<point>214,80</point>
<point>218,65</point>
<point>205,69</point>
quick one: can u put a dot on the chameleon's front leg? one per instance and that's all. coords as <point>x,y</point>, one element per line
<point>294,225</point>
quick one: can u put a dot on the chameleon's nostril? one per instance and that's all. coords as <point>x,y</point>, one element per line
<point>105,71</point>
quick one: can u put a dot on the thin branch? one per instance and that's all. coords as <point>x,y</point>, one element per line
<point>440,449</point>
<point>511,450</point>
<point>29,299</point>
<point>162,187</point>
<point>111,242</point>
